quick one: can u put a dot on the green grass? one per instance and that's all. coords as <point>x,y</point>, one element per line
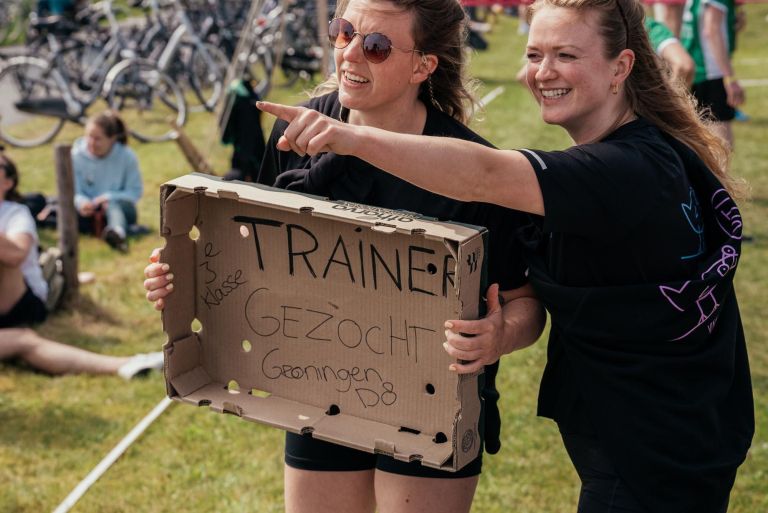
<point>53,431</point>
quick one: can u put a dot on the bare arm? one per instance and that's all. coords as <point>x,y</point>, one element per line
<point>14,248</point>
<point>515,325</point>
<point>455,168</point>
<point>712,31</point>
<point>680,63</point>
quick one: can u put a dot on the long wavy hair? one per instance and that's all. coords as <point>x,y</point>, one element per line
<point>440,29</point>
<point>649,89</point>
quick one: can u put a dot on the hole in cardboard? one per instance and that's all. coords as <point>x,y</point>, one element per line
<point>359,229</point>
<point>306,210</point>
<point>418,231</point>
<point>194,233</point>
<point>255,392</point>
<point>431,268</point>
<point>333,410</point>
<point>404,429</point>
<point>415,457</point>
<point>440,438</point>
<point>307,431</point>
<point>244,231</point>
<point>430,388</point>
<point>247,346</point>
<point>233,387</point>
<point>204,402</point>
<point>196,325</point>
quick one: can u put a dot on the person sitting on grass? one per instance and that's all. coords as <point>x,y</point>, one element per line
<point>107,179</point>
<point>22,299</point>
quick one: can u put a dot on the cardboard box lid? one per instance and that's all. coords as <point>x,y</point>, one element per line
<point>333,311</point>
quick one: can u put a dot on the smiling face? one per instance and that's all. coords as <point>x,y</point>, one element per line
<point>369,87</point>
<point>569,75</point>
<point>99,144</point>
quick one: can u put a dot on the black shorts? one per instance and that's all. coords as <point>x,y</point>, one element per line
<point>712,97</point>
<point>306,453</point>
<point>28,310</point>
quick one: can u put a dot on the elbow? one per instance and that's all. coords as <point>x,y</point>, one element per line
<point>14,259</point>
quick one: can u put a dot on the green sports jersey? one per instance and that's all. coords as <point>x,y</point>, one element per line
<point>659,34</point>
<point>691,30</point>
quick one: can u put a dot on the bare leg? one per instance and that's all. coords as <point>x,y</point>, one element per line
<point>54,357</point>
<point>406,494</point>
<point>309,491</point>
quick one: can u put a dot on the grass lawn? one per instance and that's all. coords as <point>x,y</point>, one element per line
<point>53,431</point>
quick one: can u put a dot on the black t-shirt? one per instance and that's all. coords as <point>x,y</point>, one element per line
<point>618,212</point>
<point>350,179</point>
<point>634,260</point>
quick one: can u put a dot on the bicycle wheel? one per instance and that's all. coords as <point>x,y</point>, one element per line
<point>148,99</point>
<point>32,108</point>
<point>207,77</point>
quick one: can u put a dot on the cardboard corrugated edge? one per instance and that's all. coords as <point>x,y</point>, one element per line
<point>188,381</point>
<point>466,436</point>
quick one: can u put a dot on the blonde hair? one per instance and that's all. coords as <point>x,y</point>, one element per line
<point>649,89</point>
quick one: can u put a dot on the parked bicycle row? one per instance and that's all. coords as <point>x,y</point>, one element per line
<point>151,68</point>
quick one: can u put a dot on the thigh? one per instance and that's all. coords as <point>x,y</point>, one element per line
<point>28,310</point>
<point>316,491</point>
<point>325,477</point>
<point>397,493</point>
<point>602,490</point>
<point>125,207</point>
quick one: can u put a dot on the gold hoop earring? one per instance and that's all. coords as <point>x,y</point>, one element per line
<point>615,88</point>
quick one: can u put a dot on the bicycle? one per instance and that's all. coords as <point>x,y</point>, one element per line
<point>37,99</point>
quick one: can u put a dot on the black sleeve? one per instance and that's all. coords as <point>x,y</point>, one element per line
<point>506,265</point>
<point>286,170</point>
<point>595,190</point>
<point>270,164</point>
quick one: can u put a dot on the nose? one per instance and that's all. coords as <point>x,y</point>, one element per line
<point>546,70</point>
<point>354,50</point>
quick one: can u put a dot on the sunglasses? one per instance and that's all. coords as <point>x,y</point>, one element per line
<point>376,46</point>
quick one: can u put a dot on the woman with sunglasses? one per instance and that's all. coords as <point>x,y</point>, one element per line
<point>399,67</point>
<point>633,249</point>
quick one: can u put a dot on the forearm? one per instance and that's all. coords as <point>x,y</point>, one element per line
<point>12,254</point>
<point>524,320</point>
<point>455,168</point>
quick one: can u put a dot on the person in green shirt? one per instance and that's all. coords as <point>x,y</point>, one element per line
<point>709,35</point>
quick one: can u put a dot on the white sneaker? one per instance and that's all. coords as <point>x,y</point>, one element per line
<point>141,363</point>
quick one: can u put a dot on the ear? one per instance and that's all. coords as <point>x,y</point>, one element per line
<point>424,65</point>
<point>623,65</point>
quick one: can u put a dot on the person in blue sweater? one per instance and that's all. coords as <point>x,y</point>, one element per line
<point>107,178</point>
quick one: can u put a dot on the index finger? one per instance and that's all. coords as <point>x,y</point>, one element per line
<point>284,112</point>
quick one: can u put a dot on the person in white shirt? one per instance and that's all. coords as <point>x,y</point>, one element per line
<point>23,292</point>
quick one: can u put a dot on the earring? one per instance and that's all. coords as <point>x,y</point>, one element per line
<point>615,88</point>
<point>431,91</point>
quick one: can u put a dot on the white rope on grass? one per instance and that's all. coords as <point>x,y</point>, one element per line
<point>754,82</point>
<point>110,458</point>
<point>488,98</point>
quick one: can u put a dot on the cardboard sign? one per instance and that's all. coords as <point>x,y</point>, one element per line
<point>322,318</point>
